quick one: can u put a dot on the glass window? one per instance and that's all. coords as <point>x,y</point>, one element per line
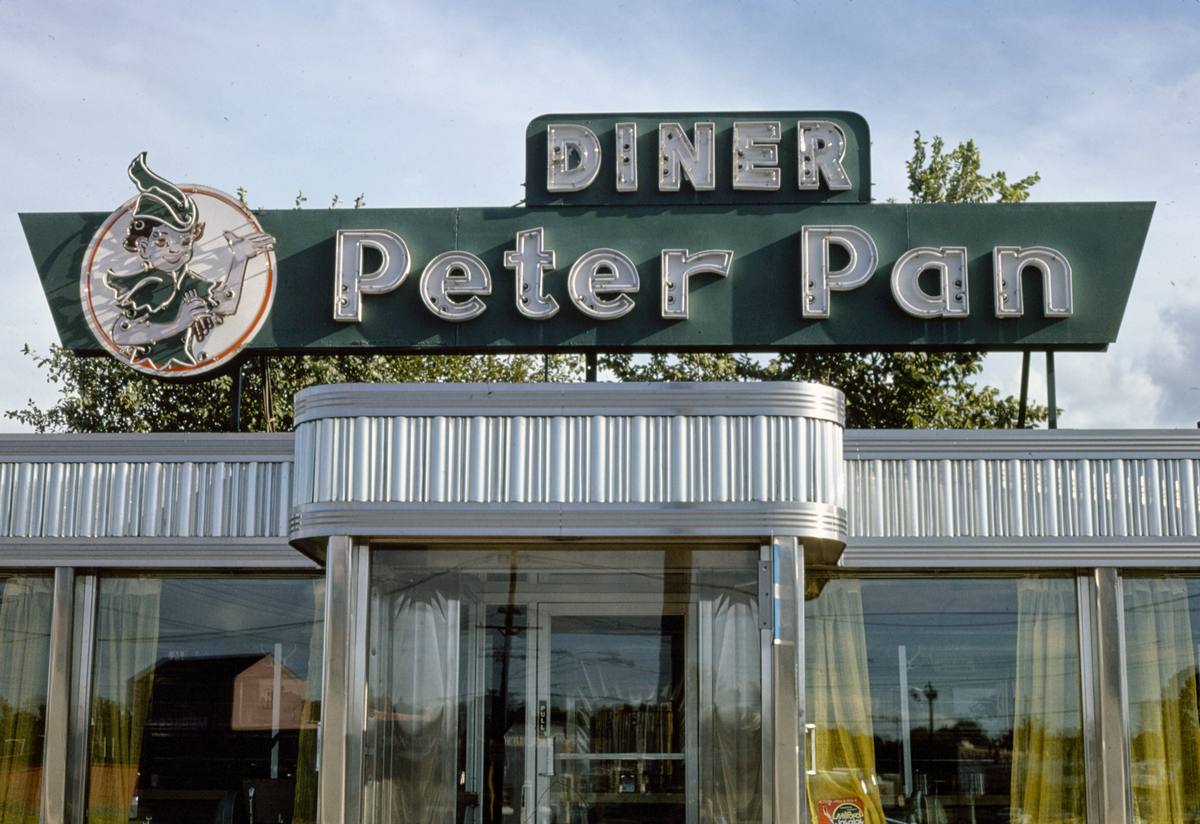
<point>25,606</point>
<point>943,700</point>
<point>205,699</point>
<point>1160,667</point>
<point>509,687</point>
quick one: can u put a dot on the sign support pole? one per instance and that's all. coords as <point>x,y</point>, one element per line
<point>235,401</point>
<point>591,361</point>
<point>1051,393</point>
<point>1024,406</point>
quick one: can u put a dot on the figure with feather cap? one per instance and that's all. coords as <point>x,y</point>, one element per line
<point>167,307</point>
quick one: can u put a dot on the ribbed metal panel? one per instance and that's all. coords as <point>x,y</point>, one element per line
<point>1028,496</point>
<point>144,499</point>
<point>605,459</point>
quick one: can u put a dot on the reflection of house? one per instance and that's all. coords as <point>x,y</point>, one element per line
<point>210,721</point>
<point>254,697</point>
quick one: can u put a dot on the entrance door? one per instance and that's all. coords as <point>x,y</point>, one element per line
<point>531,687</point>
<point>614,715</point>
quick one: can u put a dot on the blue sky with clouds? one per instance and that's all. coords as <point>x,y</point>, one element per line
<point>425,104</point>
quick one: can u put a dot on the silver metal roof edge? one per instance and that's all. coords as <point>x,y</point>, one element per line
<point>1022,552</point>
<point>964,444</point>
<point>174,447</point>
<point>506,399</point>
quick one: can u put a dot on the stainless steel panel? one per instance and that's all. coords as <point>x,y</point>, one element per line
<point>337,683</point>
<point>82,650</point>
<point>787,678</point>
<point>58,700</point>
<point>1108,627</point>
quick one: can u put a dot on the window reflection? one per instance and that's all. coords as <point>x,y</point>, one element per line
<point>205,696</point>
<point>25,605</point>
<point>944,701</point>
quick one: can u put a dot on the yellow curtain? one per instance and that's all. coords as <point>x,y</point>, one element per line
<point>305,809</point>
<point>25,605</point>
<point>839,704</point>
<point>1164,735</point>
<point>126,650</point>
<point>1047,762</point>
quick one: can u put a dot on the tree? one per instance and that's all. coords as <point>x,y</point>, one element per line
<point>98,394</point>
<point>893,390</point>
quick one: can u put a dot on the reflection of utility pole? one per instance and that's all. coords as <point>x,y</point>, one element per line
<point>928,694</point>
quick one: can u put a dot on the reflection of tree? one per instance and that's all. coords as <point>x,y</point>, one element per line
<point>20,762</point>
<point>1165,752</point>
<point>958,766</point>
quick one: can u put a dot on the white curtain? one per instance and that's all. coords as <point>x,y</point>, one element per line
<point>412,727</point>
<point>25,605</point>
<point>735,794</point>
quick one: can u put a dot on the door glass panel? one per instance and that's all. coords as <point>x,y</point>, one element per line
<point>561,687</point>
<point>616,725</point>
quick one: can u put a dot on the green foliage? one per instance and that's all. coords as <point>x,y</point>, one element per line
<point>99,394</point>
<point>935,176</point>
<point>892,390</point>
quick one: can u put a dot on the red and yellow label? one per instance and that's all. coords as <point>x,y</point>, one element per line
<point>841,811</point>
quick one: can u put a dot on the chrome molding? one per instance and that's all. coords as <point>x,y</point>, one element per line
<point>1024,553</point>
<point>809,400</point>
<point>148,553</point>
<point>577,460</point>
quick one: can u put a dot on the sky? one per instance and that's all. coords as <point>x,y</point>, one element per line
<point>422,104</point>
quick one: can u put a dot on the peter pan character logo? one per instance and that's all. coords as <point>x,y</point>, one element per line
<point>179,279</point>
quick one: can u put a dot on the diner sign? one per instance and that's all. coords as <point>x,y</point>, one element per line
<point>653,233</point>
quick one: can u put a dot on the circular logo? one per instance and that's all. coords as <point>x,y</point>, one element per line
<point>847,813</point>
<point>178,280</point>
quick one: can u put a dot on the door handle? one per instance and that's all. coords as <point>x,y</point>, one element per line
<point>811,729</point>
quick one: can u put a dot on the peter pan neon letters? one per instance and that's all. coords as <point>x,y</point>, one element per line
<point>601,282</point>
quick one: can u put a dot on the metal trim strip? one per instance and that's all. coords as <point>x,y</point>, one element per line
<point>1021,553</point>
<point>1030,444</point>
<point>792,399</point>
<point>153,553</point>
<point>147,447</point>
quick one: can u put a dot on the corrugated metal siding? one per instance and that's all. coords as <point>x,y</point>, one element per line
<point>144,499</point>
<point>568,459</point>
<point>1026,496</point>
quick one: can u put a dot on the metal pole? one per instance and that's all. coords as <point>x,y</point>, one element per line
<point>236,401</point>
<point>591,360</point>
<point>1051,393</point>
<point>1024,390</point>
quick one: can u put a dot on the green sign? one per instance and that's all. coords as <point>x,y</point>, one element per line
<point>182,279</point>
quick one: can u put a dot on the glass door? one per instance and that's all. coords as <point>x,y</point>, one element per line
<point>614,714</point>
<point>562,687</point>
